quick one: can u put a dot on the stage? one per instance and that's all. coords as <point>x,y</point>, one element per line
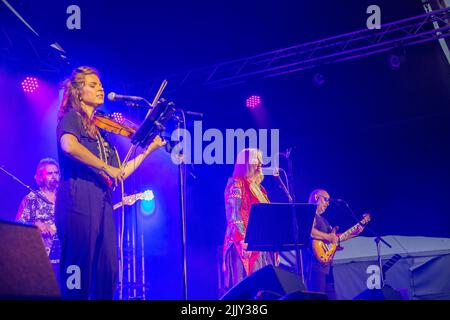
<point>138,136</point>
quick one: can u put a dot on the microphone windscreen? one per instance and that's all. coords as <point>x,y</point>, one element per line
<point>276,172</point>
<point>111,96</point>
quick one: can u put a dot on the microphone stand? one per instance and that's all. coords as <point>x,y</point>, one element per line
<point>378,239</point>
<point>286,191</point>
<point>26,186</point>
<point>181,119</point>
<point>291,196</point>
<point>181,174</point>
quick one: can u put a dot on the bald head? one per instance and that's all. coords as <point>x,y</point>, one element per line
<point>321,198</point>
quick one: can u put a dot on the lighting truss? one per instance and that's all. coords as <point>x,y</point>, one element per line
<point>353,45</point>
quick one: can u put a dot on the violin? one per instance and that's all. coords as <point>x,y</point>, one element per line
<point>126,128</point>
<point>107,123</point>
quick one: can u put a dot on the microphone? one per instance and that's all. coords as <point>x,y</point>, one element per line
<point>112,96</point>
<point>335,200</point>
<point>194,114</point>
<point>339,202</point>
<point>276,172</point>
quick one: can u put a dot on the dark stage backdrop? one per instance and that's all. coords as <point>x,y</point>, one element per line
<point>375,137</point>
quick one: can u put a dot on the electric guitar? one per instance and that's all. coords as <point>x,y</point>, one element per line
<point>130,200</point>
<point>324,251</point>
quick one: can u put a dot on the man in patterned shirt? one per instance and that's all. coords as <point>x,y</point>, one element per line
<point>33,210</point>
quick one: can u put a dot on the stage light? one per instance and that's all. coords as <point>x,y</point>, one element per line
<point>396,58</point>
<point>30,84</point>
<point>319,79</point>
<point>118,117</point>
<point>148,203</point>
<point>253,102</point>
<point>394,62</point>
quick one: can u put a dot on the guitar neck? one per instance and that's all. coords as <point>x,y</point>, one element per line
<point>118,205</point>
<point>128,200</point>
<point>348,233</point>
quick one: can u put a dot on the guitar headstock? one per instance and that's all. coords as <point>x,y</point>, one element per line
<point>366,218</point>
<point>147,195</point>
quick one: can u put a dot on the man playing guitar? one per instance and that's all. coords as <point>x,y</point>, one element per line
<point>33,210</point>
<point>318,257</point>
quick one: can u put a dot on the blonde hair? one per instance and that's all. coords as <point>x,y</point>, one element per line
<point>244,159</point>
<point>72,97</point>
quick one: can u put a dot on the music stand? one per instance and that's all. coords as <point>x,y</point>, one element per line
<point>271,227</point>
<point>154,121</point>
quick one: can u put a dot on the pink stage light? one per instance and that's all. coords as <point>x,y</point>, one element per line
<point>30,84</point>
<point>118,117</point>
<point>253,102</point>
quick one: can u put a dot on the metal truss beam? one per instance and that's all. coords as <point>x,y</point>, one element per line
<point>401,33</point>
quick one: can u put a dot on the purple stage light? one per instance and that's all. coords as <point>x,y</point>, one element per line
<point>118,117</point>
<point>30,84</point>
<point>253,102</point>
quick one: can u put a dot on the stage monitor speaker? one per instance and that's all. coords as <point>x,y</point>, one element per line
<point>271,283</point>
<point>385,293</point>
<point>25,269</point>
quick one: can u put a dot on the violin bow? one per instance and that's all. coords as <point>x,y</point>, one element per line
<point>155,100</point>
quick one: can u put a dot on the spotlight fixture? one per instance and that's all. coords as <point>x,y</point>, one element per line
<point>319,79</point>
<point>30,84</point>
<point>253,102</point>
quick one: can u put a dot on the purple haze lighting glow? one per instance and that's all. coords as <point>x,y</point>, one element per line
<point>30,84</point>
<point>118,117</point>
<point>253,102</point>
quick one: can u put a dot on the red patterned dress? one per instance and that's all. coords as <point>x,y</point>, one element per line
<point>238,263</point>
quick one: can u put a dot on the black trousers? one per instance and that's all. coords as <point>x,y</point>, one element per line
<point>319,281</point>
<point>317,278</point>
<point>86,229</point>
